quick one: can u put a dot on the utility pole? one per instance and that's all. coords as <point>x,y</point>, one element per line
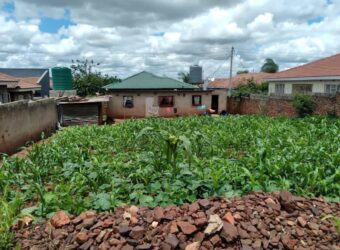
<point>231,64</point>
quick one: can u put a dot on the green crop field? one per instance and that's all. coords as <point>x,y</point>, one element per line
<point>172,161</point>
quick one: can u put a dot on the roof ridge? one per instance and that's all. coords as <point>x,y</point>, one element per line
<point>312,62</point>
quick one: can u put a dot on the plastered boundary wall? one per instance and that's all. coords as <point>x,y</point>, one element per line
<point>25,121</point>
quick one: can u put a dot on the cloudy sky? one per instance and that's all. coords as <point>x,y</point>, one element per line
<point>166,37</point>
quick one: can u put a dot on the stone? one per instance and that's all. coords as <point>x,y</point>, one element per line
<point>133,210</point>
<point>137,232</point>
<point>87,215</point>
<point>204,203</point>
<point>201,222</point>
<point>173,227</point>
<point>89,222</point>
<point>145,246</point>
<point>229,218</point>
<point>229,232</point>
<point>301,221</point>
<point>60,219</point>
<point>158,214</point>
<point>193,246</point>
<point>194,207</point>
<point>124,230</point>
<point>154,224</point>
<point>186,227</point>
<point>82,237</point>
<point>86,245</point>
<point>288,242</point>
<point>215,224</point>
<point>172,240</point>
<point>215,239</point>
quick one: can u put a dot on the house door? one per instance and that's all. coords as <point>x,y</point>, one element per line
<point>150,109</point>
<point>214,103</point>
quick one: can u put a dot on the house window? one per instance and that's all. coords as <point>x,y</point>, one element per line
<point>302,88</point>
<point>128,102</point>
<point>196,100</point>
<point>331,88</point>
<point>279,88</point>
<point>166,101</point>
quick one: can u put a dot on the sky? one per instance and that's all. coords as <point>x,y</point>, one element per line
<point>166,37</point>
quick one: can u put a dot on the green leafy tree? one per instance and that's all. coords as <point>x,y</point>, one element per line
<point>250,87</point>
<point>304,105</point>
<point>87,80</point>
<point>242,72</point>
<point>184,77</point>
<point>270,66</point>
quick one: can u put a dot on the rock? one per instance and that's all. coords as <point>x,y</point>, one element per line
<point>215,224</point>
<point>193,246</point>
<point>127,216</point>
<point>60,219</point>
<point>154,224</point>
<point>104,246</point>
<point>158,213</point>
<point>87,223</point>
<point>229,232</point>
<point>173,227</point>
<point>86,245</point>
<point>137,232</point>
<point>301,221</point>
<point>82,237</point>
<point>186,227</point>
<point>201,222</point>
<point>172,240</point>
<point>204,203</point>
<point>133,210</point>
<point>229,218</point>
<point>288,242</point>
<point>194,207</point>
<point>215,239</point>
<point>144,246</point>
<point>124,230</point>
<point>87,215</point>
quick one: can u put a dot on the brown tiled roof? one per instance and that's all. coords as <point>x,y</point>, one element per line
<point>7,78</point>
<point>238,80</point>
<point>22,83</point>
<point>329,66</point>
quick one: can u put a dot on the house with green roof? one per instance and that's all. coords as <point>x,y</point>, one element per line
<point>145,94</point>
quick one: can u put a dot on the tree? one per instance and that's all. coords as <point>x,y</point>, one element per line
<point>242,72</point>
<point>270,66</point>
<point>87,80</point>
<point>185,77</point>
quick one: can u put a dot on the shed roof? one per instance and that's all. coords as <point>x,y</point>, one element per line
<point>326,67</point>
<point>147,80</point>
<point>20,82</point>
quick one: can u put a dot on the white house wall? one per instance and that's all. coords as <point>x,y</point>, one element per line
<point>318,86</point>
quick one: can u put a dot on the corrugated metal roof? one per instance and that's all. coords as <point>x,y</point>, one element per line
<point>146,80</point>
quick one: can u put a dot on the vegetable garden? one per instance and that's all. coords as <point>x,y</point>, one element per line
<point>171,161</point>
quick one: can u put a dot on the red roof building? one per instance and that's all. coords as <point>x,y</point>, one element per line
<point>321,76</point>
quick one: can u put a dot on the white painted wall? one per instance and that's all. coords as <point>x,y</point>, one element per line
<point>318,86</point>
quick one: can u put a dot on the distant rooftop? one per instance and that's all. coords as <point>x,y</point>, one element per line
<point>224,83</point>
<point>145,80</point>
<point>326,67</point>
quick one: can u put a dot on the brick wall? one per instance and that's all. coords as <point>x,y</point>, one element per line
<point>279,105</point>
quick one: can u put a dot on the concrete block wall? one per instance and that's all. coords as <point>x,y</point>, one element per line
<point>25,121</point>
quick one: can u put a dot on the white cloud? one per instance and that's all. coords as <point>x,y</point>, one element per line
<point>167,36</point>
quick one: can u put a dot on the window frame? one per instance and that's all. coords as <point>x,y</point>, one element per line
<point>193,102</point>
<point>329,87</point>
<point>128,98</point>
<point>278,86</point>
<point>172,104</point>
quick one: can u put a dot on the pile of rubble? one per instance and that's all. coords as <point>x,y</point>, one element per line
<point>257,221</point>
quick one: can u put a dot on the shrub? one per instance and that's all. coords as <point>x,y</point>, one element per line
<point>304,105</point>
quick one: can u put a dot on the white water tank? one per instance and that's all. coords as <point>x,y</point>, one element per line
<point>196,74</point>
